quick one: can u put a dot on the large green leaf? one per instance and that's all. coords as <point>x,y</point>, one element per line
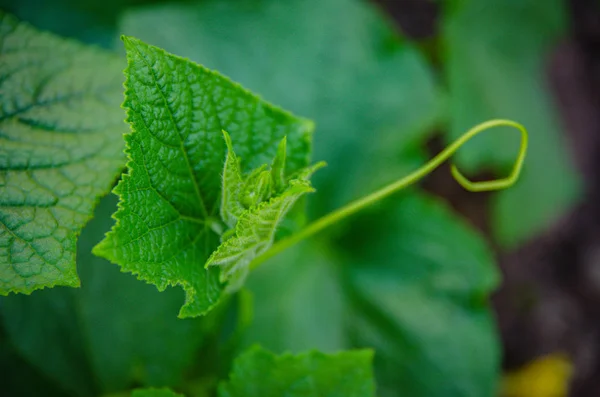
<point>169,205</point>
<point>369,92</point>
<point>496,57</point>
<point>60,149</point>
<point>418,281</point>
<point>259,373</point>
<point>112,334</point>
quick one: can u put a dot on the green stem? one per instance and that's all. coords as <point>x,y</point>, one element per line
<point>357,205</point>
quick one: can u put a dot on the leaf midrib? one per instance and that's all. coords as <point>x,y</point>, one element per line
<point>176,128</point>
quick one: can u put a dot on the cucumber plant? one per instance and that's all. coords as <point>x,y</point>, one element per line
<point>211,182</point>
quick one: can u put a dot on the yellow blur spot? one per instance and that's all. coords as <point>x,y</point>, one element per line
<point>547,376</point>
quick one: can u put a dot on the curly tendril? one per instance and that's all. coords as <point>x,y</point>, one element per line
<point>497,184</point>
<point>357,205</point>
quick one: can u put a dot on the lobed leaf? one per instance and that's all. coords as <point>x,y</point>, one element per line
<point>167,222</point>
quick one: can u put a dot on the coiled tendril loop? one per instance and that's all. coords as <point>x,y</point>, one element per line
<point>357,205</point>
<point>496,184</point>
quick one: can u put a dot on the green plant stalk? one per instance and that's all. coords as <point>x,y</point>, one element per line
<point>357,205</point>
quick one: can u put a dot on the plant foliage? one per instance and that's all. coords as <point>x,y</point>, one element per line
<point>214,180</point>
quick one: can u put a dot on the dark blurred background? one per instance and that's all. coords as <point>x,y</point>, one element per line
<point>550,298</point>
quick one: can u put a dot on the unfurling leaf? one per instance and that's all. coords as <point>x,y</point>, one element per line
<point>254,207</point>
<point>231,207</point>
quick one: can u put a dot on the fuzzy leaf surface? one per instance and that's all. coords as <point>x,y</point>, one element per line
<point>169,198</point>
<point>254,207</point>
<point>258,372</point>
<point>60,150</point>
<point>254,233</point>
<point>231,206</point>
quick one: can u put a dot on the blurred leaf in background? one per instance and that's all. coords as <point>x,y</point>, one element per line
<point>299,302</point>
<point>61,148</point>
<point>91,21</point>
<point>496,52</point>
<point>258,372</point>
<point>418,279</point>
